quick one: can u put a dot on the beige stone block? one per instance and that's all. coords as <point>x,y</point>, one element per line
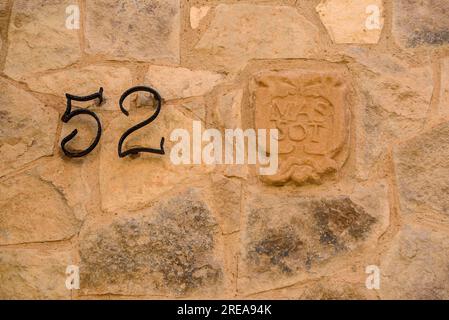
<point>415,266</point>
<point>27,128</point>
<point>289,238</point>
<point>135,182</point>
<point>147,30</point>
<point>33,210</point>
<point>241,32</point>
<point>397,99</point>
<point>422,168</point>
<point>38,37</point>
<point>179,83</point>
<point>228,109</point>
<point>35,274</point>
<point>420,23</point>
<point>86,81</point>
<point>444,96</point>
<point>170,249</point>
<point>352,21</point>
<point>197,14</point>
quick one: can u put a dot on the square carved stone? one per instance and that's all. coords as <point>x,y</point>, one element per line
<point>311,111</point>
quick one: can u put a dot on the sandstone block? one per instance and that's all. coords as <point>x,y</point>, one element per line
<point>196,15</point>
<point>422,168</point>
<point>39,38</point>
<point>228,109</point>
<point>168,249</point>
<point>289,238</point>
<point>421,23</point>
<point>240,32</point>
<point>396,102</point>
<point>34,274</point>
<point>133,182</point>
<point>34,211</point>
<point>444,97</point>
<point>27,128</point>
<point>179,83</point>
<point>352,21</point>
<point>85,81</point>
<point>134,30</point>
<point>415,266</point>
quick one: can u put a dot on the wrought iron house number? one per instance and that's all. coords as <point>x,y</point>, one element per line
<point>69,114</point>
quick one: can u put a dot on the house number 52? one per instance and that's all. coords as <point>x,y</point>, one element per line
<point>69,114</point>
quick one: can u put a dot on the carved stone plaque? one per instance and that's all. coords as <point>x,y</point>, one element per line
<point>310,110</point>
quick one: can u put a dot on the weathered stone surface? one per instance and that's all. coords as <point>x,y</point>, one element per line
<point>352,21</point>
<point>197,14</point>
<point>132,183</point>
<point>346,283</point>
<point>33,211</point>
<point>416,265</point>
<point>400,87</point>
<point>34,274</point>
<point>144,227</point>
<point>225,198</point>
<point>311,111</point>
<point>288,238</point>
<point>86,81</point>
<point>197,107</point>
<point>178,83</point>
<point>236,171</point>
<point>421,23</point>
<point>134,30</point>
<point>341,289</point>
<point>396,102</point>
<point>444,97</point>
<point>168,249</point>
<point>40,40</point>
<point>74,180</point>
<point>241,32</point>
<point>3,23</point>
<point>228,109</point>
<point>422,168</point>
<point>3,26</point>
<point>27,128</point>
<point>3,6</point>
<point>3,18</point>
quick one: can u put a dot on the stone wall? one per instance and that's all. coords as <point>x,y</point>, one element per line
<point>365,185</point>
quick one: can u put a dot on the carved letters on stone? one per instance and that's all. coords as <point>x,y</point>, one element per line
<point>310,110</point>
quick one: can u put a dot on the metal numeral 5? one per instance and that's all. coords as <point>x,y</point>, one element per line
<point>69,114</point>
